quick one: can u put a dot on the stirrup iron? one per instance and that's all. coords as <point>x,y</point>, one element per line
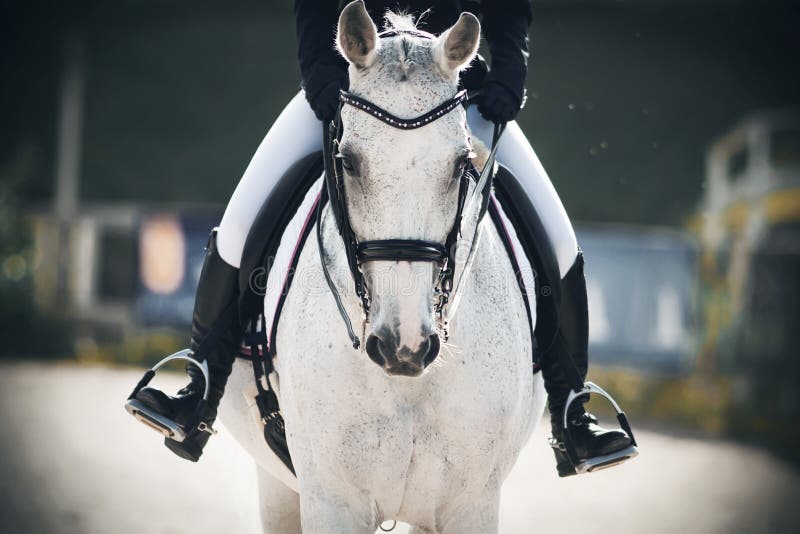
<point>161,424</point>
<point>590,465</point>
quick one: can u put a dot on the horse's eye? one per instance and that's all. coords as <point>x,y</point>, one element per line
<point>347,163</point>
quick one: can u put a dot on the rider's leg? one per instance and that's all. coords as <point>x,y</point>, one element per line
<point>216,297</point>
<point>516,153</point>
<point>295,134</point>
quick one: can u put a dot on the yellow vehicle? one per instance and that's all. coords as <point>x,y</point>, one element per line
<point>749,234</point>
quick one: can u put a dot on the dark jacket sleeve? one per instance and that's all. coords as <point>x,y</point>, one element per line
<point>320,63</point>
<point>505,26</point>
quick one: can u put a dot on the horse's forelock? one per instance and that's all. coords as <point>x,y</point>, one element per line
<point>400,21</point>
<point>407,57</point>
<point>402,53</point>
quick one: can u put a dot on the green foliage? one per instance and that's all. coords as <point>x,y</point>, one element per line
<point>140,349</point>
<point>23,330</point>
<point>715,405</point>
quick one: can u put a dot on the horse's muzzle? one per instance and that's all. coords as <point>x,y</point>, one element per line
<point>382,348</point>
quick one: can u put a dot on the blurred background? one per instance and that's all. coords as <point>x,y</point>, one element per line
<point>670,128</point>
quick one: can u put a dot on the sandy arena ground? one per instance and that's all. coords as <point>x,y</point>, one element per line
<point>72,461</point>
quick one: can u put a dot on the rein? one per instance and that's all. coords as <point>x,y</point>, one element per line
<point>358,253</point>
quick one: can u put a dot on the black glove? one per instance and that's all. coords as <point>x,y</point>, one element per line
<point>498,103</point>
<point>326,101</point>
<point>472,77</point>
<point>505,26</point>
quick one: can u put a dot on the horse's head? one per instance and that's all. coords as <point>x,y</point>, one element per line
<point>403,184</point>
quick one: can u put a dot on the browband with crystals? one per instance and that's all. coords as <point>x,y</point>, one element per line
<point>405,124</point>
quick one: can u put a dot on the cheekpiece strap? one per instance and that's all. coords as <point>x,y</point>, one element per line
<point>381,114</point>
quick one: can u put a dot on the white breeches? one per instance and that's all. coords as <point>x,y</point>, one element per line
<point>297,133</point>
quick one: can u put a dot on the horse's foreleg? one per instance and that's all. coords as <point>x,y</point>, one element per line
<point>279,506</point>
<point>323,513</point>
<point>481,517</point>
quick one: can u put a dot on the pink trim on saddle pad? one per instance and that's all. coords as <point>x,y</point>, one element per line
<point>504,229</point>
<point>527,272</point>
<point>291,245</point>
<point>298,247</point>
<point>526,278</point>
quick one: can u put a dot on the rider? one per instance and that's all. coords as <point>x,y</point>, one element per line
<point>295,134</point>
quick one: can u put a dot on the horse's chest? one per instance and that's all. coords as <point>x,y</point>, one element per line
<point>414,450</point>
<point>411,445</point>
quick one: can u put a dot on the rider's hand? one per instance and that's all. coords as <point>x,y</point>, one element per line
<point>498,103</point>
<point>326,101</point>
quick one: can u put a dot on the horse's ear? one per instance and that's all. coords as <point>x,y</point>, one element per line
<point>357,36</point>
<point>456,47</point>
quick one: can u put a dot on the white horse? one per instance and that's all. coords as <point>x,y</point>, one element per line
<point>374,442</point>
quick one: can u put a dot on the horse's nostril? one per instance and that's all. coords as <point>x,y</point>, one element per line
<point>383,351</point>
<point>373,348</point>
<point>433,350</point>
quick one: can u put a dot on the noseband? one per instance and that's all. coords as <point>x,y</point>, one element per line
<point>411,250</point>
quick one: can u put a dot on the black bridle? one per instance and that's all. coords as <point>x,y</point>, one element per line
<point>411,250</point>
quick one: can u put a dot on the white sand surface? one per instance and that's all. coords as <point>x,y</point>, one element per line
<point>72,461</point>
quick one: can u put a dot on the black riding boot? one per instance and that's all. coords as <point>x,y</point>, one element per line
<point>216,297</point>
<point>589,439</point>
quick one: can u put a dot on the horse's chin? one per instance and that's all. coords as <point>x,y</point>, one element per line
<point>404,369</point>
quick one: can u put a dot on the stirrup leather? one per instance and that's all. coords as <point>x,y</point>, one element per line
<point>164,425</point>
<point>590,465</point>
